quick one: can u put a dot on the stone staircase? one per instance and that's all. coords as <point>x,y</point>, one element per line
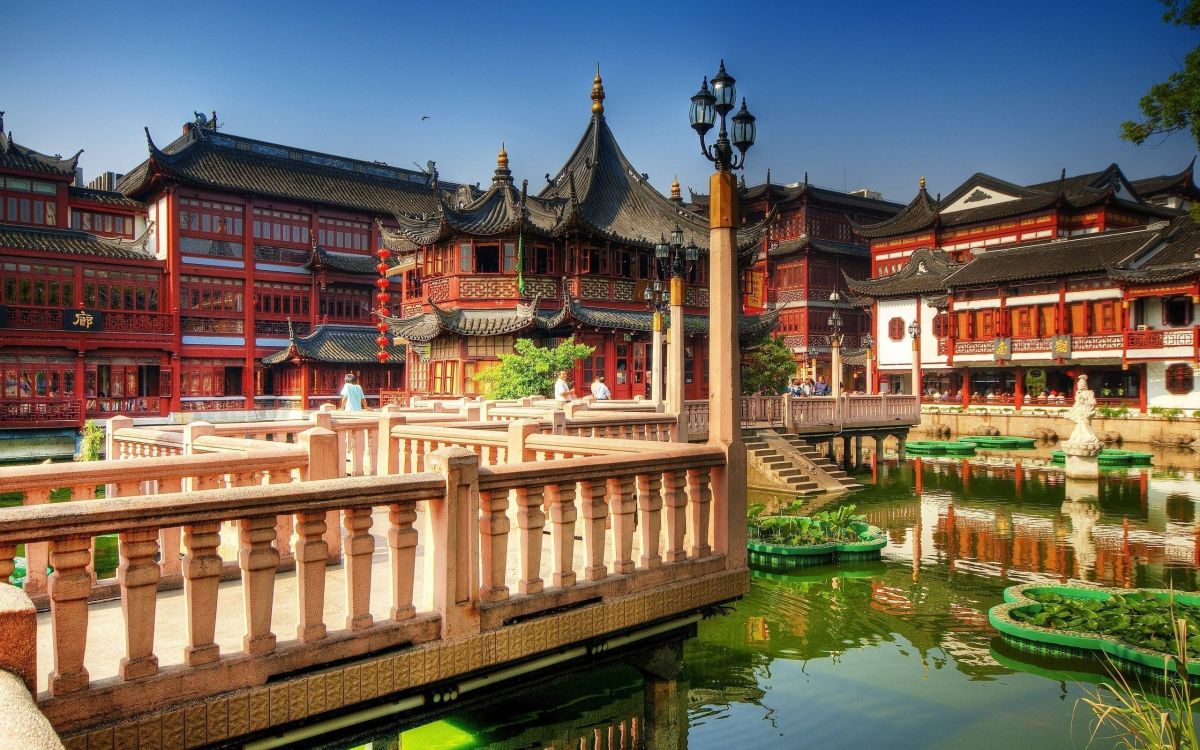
<point>791,462</point>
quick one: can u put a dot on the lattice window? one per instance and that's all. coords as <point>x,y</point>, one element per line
<point>37,284</point>
<point>1180,379</point>
<point>281,227</point>
<point>896,329</point>
<point>208,295</point>
<point>112,225</point>
<point>348,236</point>
<point>24,201</point>
<point>941,325</point>
<point>203,218</point>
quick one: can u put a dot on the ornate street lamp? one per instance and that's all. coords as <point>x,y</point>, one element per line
<point>868,341</point>
<point>914,332</point>
<point>657,298</point>
<point>719,100</point>
<point>725,386</point>
<point>835,346</point>
<point>673,262</point>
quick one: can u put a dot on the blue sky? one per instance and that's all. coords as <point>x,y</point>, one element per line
<point>856,94</point>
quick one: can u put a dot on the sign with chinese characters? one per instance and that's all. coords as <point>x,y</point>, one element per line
<point>756,291</point>
<point>1060,346</point>
<point>1002,349</point>
<point>83,320</point>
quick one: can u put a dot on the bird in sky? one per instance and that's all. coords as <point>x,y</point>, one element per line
<point>424,117</point>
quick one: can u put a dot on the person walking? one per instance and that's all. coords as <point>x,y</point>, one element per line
<point>352,395</point>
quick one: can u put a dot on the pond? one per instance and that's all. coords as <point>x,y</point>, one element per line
<point>897,652</point>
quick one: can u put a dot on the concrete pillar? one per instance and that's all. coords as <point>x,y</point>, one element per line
<point>725,384</point>
<point>846,449</point>
<point>656,360</point>
<point>835,367</point>
<point>676,350</point>
<point>902,446</point>
<point>456,543</point>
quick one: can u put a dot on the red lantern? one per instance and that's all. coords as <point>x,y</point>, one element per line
<point>382,327</point>
<point>382,341</point>
<point>382,268</point>
<point>382,312</point>
<point>383,298</point>
<point>382,253</point>
<point>382,356</point>
<point>381,282</point>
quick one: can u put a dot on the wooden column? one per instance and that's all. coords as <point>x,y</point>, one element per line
<point>677,351</point>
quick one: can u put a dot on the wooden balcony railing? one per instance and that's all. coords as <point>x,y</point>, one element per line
<point>22,413</point>
<point>29,317</point>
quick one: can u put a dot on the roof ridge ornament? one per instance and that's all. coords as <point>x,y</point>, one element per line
<point>676,195</point>
<point>503,174</point>
<point>597,93</point>
<point>921,182</point>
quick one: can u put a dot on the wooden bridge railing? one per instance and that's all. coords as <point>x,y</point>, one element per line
<point>812,412</point>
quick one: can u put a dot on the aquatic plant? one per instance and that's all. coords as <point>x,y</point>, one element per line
<point>1138,620</point>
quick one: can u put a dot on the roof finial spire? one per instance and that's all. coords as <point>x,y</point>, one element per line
<point>597,93</point>
<point>921,182</point>
<point>503,174</point>
<point>676,195</point>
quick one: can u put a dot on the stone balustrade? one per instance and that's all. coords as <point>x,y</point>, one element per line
<point>812,413</point>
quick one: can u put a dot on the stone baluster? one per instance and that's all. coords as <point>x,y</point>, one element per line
<point>169,539</point>
<point>650,502</point>
<point>356,445</point>
<point>531,520</point>
<point>258,559</point>
<point>36,554</point>
<point>623,503</point>
<point>388,457</point>
<point>202,568</point>
<point>402,546</point>
<point>560,498</point>
<point>699,499</point>
<point>320,444</point>
<point>7,561</point>
<point>593,495</point>
<point>312,553</point>
<point>455,525</point>
<point>493,528</point>
<point>359,549</point>
<point>69,586</point>
<point>138,575</point>
<point>675,500</point>
<point>370,452</point>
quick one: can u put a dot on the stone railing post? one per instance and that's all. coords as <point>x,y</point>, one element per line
<point>193,430</point>
<point>518,432</point>
<point>18,635</point>
<point>470,412</point>
<point>322,418</point>
<point>111,451</point>
<point>485,409</point>
<point>571,408</point>
<point>789,424</point>
<point>324,462</point>
<point>558,422</point>
<point>388,460</point>
<point>455,522</point>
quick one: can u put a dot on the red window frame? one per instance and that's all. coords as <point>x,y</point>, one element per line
<point>28,201</point>
<point>285,228</point>
<point>339,303</point>
<point>211,295</point>
<point>102,223</point>
<point>344,235</point>
<point>107,289</point>
<point>200,217</point>
<point>1180,378</point>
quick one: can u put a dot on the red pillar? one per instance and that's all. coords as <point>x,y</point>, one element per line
<point>305,384</point>
<point>966,387</point>
<point>1143,375</point>
<point>81,386</point>
<point>248,304</point>
<point>1019,388</point>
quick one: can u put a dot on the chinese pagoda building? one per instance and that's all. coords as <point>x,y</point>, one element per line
<point>268,251</point>
<point>485,268</point>
<point>1096,281</point>
<point>87,330</point>
<point>812,247</point>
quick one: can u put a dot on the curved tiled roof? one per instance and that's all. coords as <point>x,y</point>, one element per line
<point>1182,183</point>
<point>1086,254</point>
<point>106,197</point>
<point>920,213</point>
<point>75,242</point>
<point>501,209</point>
<point>925,271</point>
<point>348,262</point>
<point>15,156</point>
<point>337,344</point>
<point>208,158</point>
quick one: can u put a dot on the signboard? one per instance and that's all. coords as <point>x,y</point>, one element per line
<point>1060,346</point>
<point>404,264</point>
<point>1002,349</point>
<point>756,291</point>
<point>83,320</point>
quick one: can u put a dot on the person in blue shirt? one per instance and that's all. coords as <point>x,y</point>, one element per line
<point>352,395</point>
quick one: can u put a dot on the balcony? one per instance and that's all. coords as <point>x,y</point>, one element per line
<point>76,320</point>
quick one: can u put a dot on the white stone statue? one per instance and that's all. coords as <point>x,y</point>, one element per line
<point>1083,446</point>
<point>1081,413</point>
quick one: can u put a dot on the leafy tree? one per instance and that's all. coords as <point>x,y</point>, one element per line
<point>767,365</point>
<point>92,442</point>
<point>1174,104</point>
<point>531,369</point>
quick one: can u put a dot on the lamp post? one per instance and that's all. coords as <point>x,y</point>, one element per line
<point>869,342</point>
<point>724,422</point>
<point>835,347</point>
<point>657,298</point>
<point>914,332</point>
<point>673,262</point>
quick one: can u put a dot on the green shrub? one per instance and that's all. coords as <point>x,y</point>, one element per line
<point>1112,412</point>
<point>92,443</point>
<point>1169,413</point>
<point>531,369</point>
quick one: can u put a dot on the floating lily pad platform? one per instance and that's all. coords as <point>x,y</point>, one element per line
<point>1131,627</point>
<point>782,558</point>
<point>998,442</point>
<point>939,448</point>
<point>1112,457</point>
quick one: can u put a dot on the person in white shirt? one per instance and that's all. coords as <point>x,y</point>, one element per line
<point>600,390</point>
<point>562,389</point>
<point>352,395</point>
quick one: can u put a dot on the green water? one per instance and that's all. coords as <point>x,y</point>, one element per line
<point>898,652</point>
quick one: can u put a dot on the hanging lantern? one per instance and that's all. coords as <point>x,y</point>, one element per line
<point>382,341</point>
<point>381,282</point>
<point>381,327</point>
<point>383,298</point>
<point>382,253</point>
<point>382,356</point>
<point>382,268</point>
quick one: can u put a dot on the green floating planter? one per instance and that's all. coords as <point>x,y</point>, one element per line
<point>1112,457</point>
<point>1067,635</point>
<point>926,447</point>
<point>998,442</point>
<point>781,558</point>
